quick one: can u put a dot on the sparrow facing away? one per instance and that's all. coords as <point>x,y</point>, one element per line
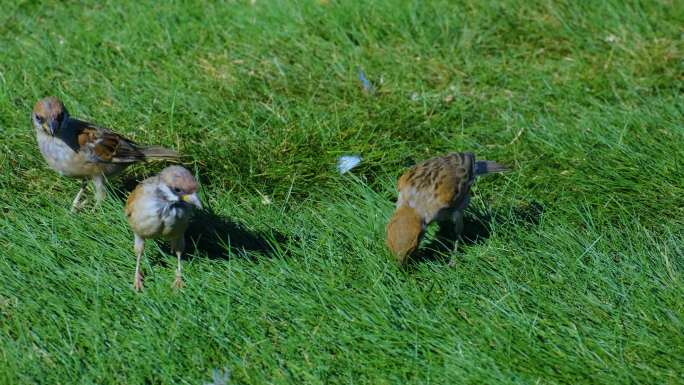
<point>160,207</point>
<point>437,189</point>
<point>79,149</point>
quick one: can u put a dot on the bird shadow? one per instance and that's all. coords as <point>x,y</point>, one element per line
<point>218,237</point>
<point>214,236</point>
<point>477,227</point>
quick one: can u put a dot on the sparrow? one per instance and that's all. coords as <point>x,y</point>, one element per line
<point>160,207</point>
<point>79,149</point>
<point>436,190</point>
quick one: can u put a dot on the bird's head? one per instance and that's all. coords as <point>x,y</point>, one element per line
<point>178,185</point>
<point>404,231</point>
<point>49,115</point>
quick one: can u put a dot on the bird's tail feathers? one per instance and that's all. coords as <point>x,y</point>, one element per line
<point>159,153</point>
<point>487,166</point>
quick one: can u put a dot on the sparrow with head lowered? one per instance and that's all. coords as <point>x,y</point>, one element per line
<point>436,190</point>
<point>79,149</point>
<point>160,207</point>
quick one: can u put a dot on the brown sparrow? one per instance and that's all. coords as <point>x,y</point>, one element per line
<point>437,189</point>
<point>79,149</point>
<point>160,207</point>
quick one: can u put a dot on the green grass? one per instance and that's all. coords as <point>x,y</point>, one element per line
<point>583,99</point>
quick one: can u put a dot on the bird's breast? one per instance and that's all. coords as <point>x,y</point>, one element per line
<point>61,158</point>
<point>155,218</point>
<point>175,218</point>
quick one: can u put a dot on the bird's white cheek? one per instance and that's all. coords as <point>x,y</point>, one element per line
<point>168,194</point>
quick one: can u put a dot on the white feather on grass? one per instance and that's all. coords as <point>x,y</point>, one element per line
<point>346,162</point>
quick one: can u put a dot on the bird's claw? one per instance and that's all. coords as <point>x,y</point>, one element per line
<point>79,205</point>
<point>452,261</point>
<point>137,283</point>
<point>178,282</point>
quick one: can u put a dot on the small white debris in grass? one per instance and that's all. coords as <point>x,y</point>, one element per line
<point>265,199</point>
<point>611,39</point>
<point>219,377</point>
<point>347,162</point>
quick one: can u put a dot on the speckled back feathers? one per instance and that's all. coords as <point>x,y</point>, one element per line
<point>436,183</point>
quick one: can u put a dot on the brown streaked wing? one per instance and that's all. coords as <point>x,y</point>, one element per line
<point>454,186</point>
<point>102,145</point>
<point>459,169</point>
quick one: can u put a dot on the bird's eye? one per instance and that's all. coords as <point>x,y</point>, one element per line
<point>176,190</point>
<point>40,119</point>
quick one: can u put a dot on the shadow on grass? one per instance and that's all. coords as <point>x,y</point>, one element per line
<point>476,229</point>
<point>214,235</point>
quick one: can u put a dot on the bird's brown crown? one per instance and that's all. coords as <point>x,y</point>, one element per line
<point>177,177</point>
<point>49,108</point>
<point>49,115</point>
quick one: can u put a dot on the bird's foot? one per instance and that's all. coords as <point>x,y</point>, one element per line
<point>138,284</point>
<point>452,261</point>
<point>178,282</point>
<point>76,206</point>
<point>97,204</point>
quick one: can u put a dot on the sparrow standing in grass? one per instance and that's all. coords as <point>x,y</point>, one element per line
<point>437,189</point>
<point>160,207</point>
<point>79,149</point>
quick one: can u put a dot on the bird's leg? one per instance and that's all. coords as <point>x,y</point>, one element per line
<point>100,192</point>
<point>457,220</point>
<point>74,205</point>
<point>139,246</point>
<point>450,226</point>
<point>178,246</point>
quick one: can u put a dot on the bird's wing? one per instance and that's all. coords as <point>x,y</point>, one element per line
<point>138,194</point>
<point>132,197</point>
<point>436,184</point>
<point>101,145</point>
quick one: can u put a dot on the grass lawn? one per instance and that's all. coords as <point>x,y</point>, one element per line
<point>577,276</point>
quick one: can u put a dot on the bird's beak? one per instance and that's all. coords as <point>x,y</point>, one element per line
<point>53,125</point>
<point>192,199</point>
